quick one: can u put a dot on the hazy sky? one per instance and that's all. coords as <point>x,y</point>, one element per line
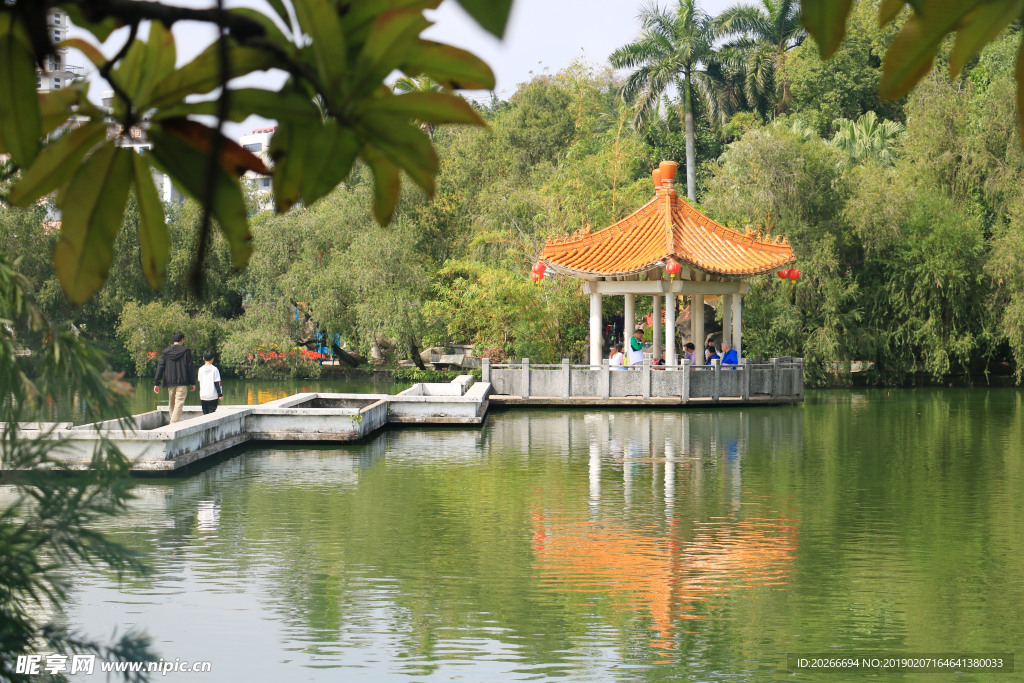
<point>542,36</point>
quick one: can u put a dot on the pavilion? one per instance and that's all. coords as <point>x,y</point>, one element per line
<point>637,255</point>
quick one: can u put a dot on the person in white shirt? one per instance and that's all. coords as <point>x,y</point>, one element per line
<point>616,358</point>
<point>210,390</point>
<point>636,348</point>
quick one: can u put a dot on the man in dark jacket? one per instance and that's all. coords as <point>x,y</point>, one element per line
<point>177,370</point>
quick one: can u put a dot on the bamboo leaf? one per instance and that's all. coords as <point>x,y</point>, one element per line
<point>1018,74</point>
<point>93,207</point>
<point>153,240</point>
<point>825,20</point>
<point>454,68</point>
<point>979,27</point>
<point>387,184</point>
<point>491,14</point>
<point>56,164</point>
<point>187,167</point>
<point>889,10</point>
<point>430,107</point>
<point>20,122</point>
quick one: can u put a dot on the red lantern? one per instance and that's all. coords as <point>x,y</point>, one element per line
<point>794,274</point>
<point>672,267</point>
<point>539,268</point>
<point>537,277</point>
<point>783,274</point>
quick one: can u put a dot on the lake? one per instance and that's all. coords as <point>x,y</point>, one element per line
<point>591,545</point>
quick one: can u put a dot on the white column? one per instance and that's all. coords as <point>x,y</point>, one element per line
<point>697,326</point>
<point>737,314</point>
<point>727,317</point>
<point>670,329</point>
<point>656,326</point>
<point>629,318</point>
<point>595,329</point>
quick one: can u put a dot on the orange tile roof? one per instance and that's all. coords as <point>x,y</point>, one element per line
<point>665,227</point>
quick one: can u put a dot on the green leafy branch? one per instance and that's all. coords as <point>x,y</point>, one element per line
<point>975,23</point>
<point>333,109</point>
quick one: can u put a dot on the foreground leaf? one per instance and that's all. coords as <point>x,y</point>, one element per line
<point>825,20</point>
<point>188,169</point>
<point>452,67</point>
<point>387,184</point>
<point>430,107</point>
<point>20,122</point>
<point>202,74</point>
<point>491,14</point>
<point>233,158</point>
<point>153,240</point>
<point>92,208</point>
<point>979,28</point>
<point>56,164</point>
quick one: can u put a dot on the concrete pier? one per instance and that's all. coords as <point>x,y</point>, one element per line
<point>153,445</point>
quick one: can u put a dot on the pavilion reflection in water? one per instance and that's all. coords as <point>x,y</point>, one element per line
<point>676,565</point>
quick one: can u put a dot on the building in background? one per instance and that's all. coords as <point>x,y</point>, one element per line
<point>56,72</point>
<point>257,141</point>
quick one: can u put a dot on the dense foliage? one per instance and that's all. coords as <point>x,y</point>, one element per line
<point>905,217</point>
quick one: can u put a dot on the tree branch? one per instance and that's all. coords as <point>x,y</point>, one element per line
<point>134,11</point>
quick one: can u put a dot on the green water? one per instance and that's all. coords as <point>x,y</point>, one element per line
<point>236,391</point>
<point>592,545</point>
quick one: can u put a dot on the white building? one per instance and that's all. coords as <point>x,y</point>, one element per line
<point>56,72</point>
<point>257,141</point>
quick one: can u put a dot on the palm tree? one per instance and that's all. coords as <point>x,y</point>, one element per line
<point>674,48</point>
<point>868,139</point>
<point>762,36</point>
<point>420,84</point>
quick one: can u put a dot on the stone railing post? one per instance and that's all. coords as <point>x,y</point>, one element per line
<point>606,379</point>
<point>799,377</point>
<point>685,374</point>
<point>776,377</point>
<point>717,391</point>
<point>566,378</point>
<point>485,369</point>
<point>645,380</point>
<point>745,364</point>
<point>525,382</point>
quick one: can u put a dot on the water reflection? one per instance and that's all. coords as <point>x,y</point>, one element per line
<point>585,545</point>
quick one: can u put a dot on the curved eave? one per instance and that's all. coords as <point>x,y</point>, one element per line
<point>593,275</point>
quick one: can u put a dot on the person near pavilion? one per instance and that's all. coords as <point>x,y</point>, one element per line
<point>729,356</point>
<point>635,351</point>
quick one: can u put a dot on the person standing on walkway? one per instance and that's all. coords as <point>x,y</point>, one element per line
<point>177,370</point>
<point>210,390</point>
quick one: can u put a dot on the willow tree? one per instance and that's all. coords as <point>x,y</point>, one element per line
<point>675,48</point>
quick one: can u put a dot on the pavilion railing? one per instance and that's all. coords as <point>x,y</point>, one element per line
<point>781,379</point>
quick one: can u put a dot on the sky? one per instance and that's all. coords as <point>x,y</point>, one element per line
<point>543,36</point>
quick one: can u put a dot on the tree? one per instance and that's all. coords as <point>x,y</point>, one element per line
<point>420,84</point>
<point>910,56</point>
<point>337,52</point>
<point>868,139</point>
<point>763,36</point>
<point>674,48</point>
<point>48,528</point>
